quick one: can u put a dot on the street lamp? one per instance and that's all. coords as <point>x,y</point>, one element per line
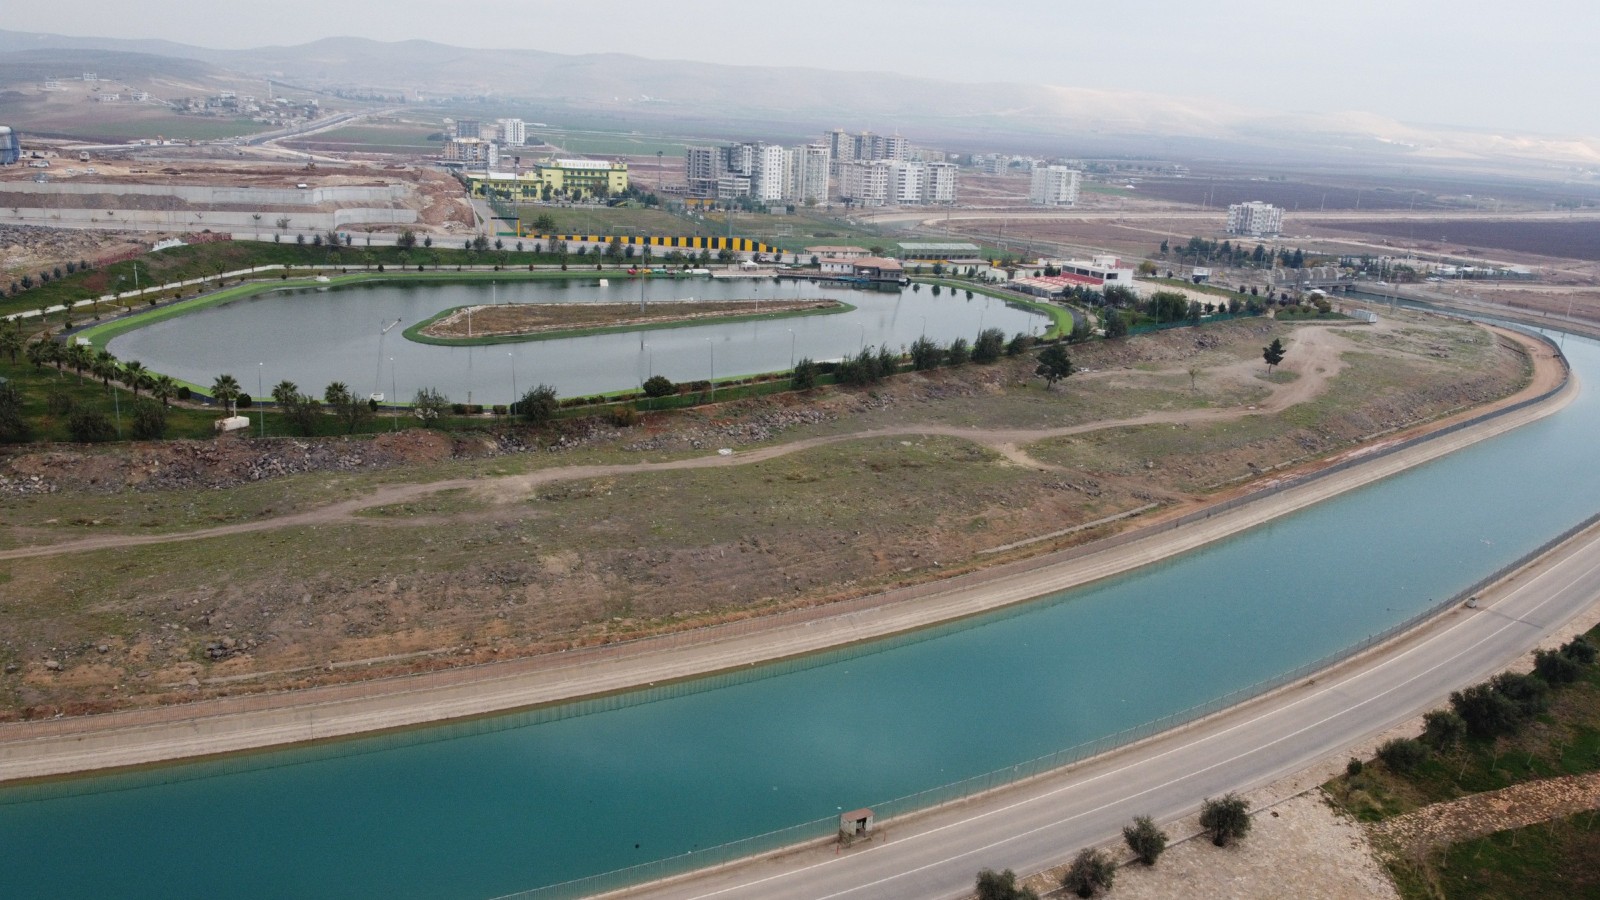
<point>261,411</point>
<point>513,358</point>
<point>791,347</point>
<point>394,396</point>
<point>863,336</point>
<point>713,345</point>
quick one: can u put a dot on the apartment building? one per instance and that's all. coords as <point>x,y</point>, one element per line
<point>1255,219</point>
<point>1054,186</point>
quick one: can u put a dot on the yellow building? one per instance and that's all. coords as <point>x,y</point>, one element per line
<point>573,179</point>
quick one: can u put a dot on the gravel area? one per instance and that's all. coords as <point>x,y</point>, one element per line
<point>1299,848</point>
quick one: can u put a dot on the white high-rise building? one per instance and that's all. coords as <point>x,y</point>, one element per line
<point>769,175</point>
<point>808,173</point>
<point>702,166</point>
<point>883,182</point>
<point>907,181</point>
<point>513,132</point>
<point>940,184</point>
<point>842,149</point>
<point>866,182</point>
<point>1255,219</point>
<point>1054,186</point>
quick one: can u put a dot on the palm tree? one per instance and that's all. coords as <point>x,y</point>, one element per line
<point>39,353</point>
<point>11,340</point>
<point>105,367</point>
<point>55,354</point>
<point>133,375</point>
<point>162,387</point>
<point>225,390</point>
<point>80,357</point>
<point>285,392</point>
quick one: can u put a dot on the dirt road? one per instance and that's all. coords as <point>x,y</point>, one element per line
<point>1315,354</point>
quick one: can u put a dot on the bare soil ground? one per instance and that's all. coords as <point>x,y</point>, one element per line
<point>1299,848</point>
<point>26,249</point>
<point>537,318</point>
<point>198,569</point>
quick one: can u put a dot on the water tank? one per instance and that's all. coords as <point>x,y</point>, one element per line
<point>10,149</point>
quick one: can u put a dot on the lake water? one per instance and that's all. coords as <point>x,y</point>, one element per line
<point>499,805</point>
<point>314,337</point>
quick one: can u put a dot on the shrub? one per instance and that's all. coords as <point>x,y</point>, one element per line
<point>1353,767</point>
<point>990,344</point>
<point>1443,729</point>
<point>428,405</point>
<point>1403,755</point>
<point>537,406</point>
<point>242,402</point>
<point>1145,840</point>
<point>149,420</point>
<point>1020,344</point>
<point>184,393</point>
<point>1091,873</point>
<point>59,401</point>
<point>1529,692</point>
<point>994,885</point>
<point>1487,712</point>
<point>1225,819</point>
<point>624,416</point>
<point>89,426</point>
<point>659,386</point>
<point>1556,667</point>
<point>1580,650</point>
<point>805,375</point>
<point>960,352</point>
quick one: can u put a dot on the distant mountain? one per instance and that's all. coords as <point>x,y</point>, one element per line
<point>632,91</point>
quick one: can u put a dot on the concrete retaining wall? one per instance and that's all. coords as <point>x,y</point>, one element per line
<point>188,220</point>
<point>195,193</point>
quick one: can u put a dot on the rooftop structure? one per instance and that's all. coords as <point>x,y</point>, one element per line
<point>933,251</point>
<point>10,148</point>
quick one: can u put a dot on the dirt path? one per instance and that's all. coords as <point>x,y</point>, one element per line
<point>1314,352</point>
<point>1437,825</point>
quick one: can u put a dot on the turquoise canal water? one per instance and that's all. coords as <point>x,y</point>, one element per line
<point>521,801</point>
<point>314,337</point>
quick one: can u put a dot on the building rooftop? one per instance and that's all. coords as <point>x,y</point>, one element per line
<point>933,247</point>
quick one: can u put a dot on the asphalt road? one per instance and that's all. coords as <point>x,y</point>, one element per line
<point>1043,823</point>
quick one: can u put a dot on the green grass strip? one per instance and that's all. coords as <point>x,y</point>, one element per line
<point>414,333</point>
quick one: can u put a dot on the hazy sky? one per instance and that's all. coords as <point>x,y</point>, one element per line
<point>1528,66</point>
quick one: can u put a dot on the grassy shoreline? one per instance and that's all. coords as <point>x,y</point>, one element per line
<point>414,333</point>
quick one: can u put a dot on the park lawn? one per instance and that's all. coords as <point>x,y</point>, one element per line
<point>609,220</point>
<point>611,143</point>
<point>409,137</point>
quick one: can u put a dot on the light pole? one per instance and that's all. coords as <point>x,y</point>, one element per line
<point>863,336</point>
<point>513,358</point>
<point>394,398</point>
<point>791,348</point>
<point>713,345</point>
<point>261,411</point>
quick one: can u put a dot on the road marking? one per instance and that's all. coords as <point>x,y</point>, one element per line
<point>1345,682</point>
